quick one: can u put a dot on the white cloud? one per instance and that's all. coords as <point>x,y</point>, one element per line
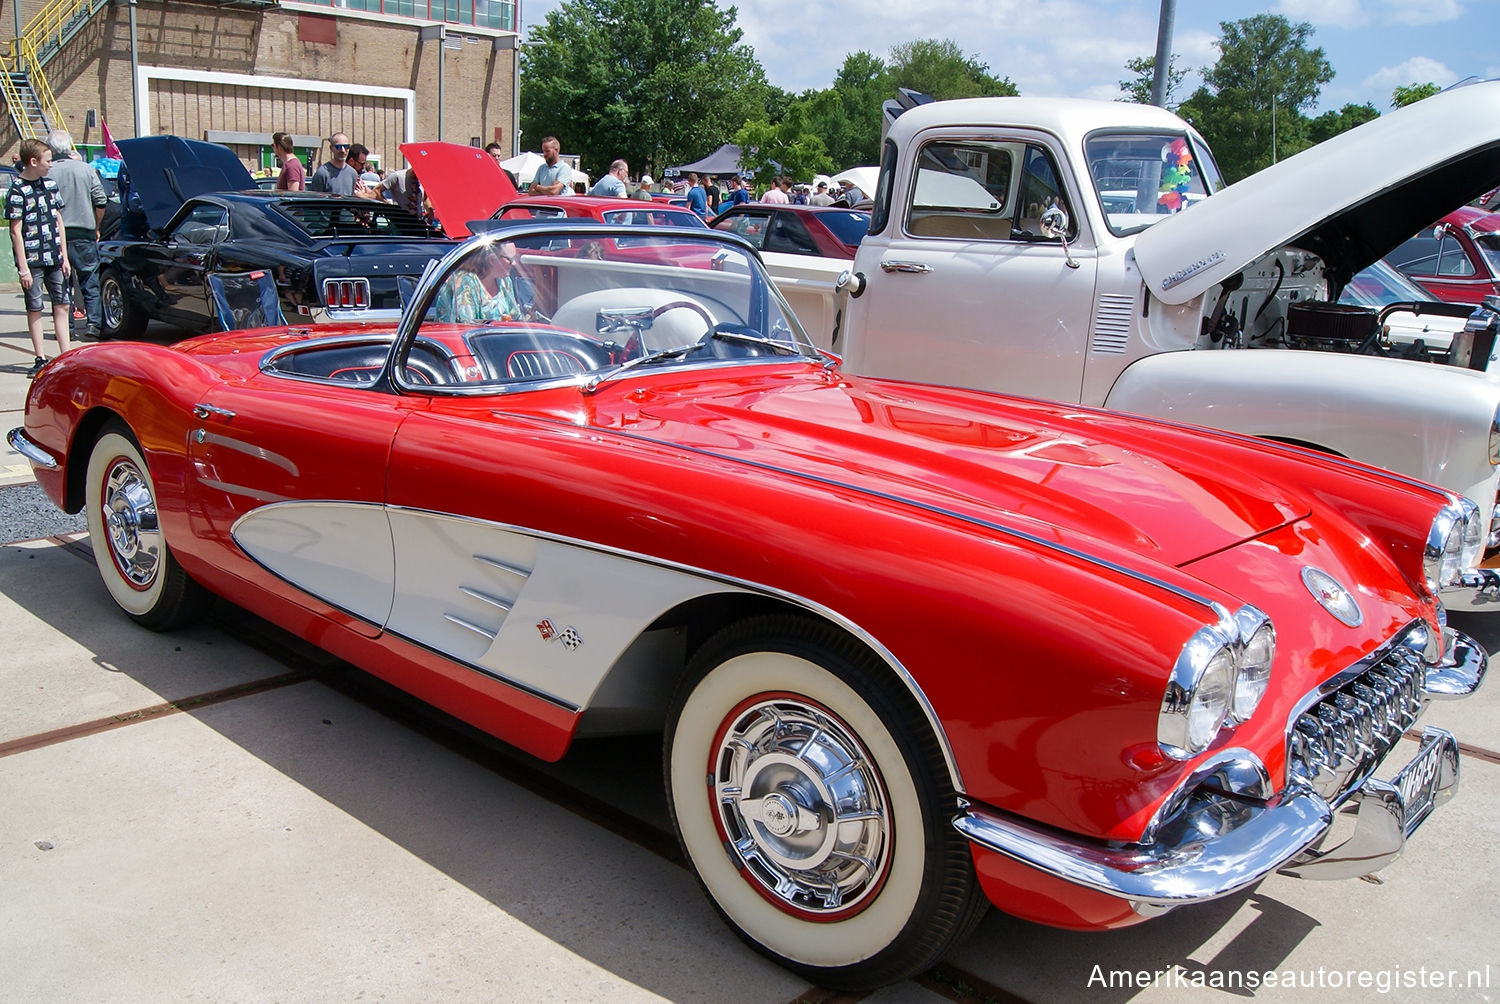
<point>1416,70</point>
<point>1354,14</point>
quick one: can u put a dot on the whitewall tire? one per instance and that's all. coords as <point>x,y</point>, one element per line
<point>813,804</point>
<point>130,551</point>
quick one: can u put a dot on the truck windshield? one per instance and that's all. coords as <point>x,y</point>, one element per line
<point>1142,178</point>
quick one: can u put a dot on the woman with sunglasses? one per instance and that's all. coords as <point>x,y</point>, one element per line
<point>481,289</point>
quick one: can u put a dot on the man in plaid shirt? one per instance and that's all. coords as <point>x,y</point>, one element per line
<point>34,209</point>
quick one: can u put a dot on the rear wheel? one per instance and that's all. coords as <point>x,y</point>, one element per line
<point>133,558</point>
<point>119,315</point>
<point>814,805</point>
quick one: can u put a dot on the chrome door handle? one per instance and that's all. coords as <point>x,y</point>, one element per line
<point>202,411</point>
<point>905,266</point>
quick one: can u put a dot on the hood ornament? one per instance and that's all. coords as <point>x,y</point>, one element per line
<point>1332,596</point>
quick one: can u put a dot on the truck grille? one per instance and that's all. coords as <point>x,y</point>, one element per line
<point>1343,735</point>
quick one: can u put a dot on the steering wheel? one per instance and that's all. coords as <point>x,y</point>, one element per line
<point>692,305</point>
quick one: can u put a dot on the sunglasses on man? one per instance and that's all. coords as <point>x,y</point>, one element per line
<point>341,146</point>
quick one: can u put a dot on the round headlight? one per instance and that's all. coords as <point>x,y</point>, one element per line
<point>1454,544</point>
<point>1219,678</point>
<point>1254,670</point>
<point>1211,701</point>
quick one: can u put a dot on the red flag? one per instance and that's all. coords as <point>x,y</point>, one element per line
<point>110,150</point>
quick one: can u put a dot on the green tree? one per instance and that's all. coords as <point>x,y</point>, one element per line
<point>1252,103</point>
<point>1408,94</point>
<point>940,68</point>
<point>656,82</point>
<point>1138,88</point>
<point>1332,123</point>
<point>786,147</point>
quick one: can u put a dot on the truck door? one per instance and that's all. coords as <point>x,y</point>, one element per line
<point>961,286</point>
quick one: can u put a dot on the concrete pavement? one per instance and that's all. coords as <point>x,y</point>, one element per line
<point>300,837</point>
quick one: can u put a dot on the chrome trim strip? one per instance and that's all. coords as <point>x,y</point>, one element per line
<point>22,444</point>
<point>371,315</point>
<point>1199,869</point>
<point>834,616</point>
<point>484,597</point>
<point>936,510</point>
<point>486,632</point>
<point>504,566</point>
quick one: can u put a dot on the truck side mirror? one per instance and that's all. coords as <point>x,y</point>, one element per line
<point>1055,223</point>
<point>1054,226</point>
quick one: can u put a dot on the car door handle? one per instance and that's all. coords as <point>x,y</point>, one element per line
<point>202,411</point>
<point>916,267</point>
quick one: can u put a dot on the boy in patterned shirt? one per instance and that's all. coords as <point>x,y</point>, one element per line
<point>34,209</point>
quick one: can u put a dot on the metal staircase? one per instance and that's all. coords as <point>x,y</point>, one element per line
<point>28,98</point>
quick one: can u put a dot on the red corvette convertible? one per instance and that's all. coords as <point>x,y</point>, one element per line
<point>911,650</point>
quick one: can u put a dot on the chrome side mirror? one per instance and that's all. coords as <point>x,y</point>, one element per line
<point>1055,223</point>
<point>1054,226</point>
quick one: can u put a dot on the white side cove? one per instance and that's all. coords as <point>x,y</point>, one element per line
<point>551,616</point>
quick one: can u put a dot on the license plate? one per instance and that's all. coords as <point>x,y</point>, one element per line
<point>1418,781</point>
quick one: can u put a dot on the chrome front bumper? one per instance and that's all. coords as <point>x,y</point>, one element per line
<point>1223,843</point>
<point>23,445</point>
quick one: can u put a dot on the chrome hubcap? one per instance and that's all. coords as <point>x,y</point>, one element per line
<point>130,524</point>
<point>802,806</point>
<point>111,301</point>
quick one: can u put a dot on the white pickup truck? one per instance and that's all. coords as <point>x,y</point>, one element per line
<point>1084,251</point>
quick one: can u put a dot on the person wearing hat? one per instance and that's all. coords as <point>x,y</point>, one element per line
<point>644,192</point>
<point>821,196</point>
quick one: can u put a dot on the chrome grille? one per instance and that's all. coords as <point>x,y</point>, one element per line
<point>1337,741</point>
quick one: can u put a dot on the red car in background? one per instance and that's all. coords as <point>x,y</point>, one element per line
<point>1458,260</point>
<point>825,231</point>
<point>617,211</point>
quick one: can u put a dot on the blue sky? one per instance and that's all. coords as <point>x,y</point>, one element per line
<point>1078,48</point>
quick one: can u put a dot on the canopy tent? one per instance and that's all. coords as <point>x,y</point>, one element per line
<point>724,160</point>
<point>523,166</point>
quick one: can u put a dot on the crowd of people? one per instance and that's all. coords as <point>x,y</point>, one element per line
<point>57,203</point>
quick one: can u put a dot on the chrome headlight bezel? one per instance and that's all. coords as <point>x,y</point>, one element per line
<point>1217,682</point>
<point>1455,544</point>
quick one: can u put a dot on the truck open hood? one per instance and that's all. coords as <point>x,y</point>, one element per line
<point>166,171</point>
<point>1350,199</point>
<point>463,182</point>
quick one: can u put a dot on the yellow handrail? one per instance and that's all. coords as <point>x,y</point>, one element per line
<point>39,84</point>
<point>48,21</point>
<point>13,101</point>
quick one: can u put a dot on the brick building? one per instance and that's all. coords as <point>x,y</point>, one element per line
<point>383,71</point>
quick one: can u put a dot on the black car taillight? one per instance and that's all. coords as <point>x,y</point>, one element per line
<point>346,293</point>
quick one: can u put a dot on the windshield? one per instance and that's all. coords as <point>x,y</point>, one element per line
<point>1142,178</point>
<point>849,226</point>
<point>1489,246</point>
<point>585,306</point>
<point>654,216</point>
<point>1380,285</point>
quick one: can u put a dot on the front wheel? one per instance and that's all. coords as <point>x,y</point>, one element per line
<point>814,804</point>
<point>125,534</point>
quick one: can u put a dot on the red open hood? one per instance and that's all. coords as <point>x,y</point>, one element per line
<point>463,182</point>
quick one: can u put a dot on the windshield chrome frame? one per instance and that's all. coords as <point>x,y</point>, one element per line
<point>414,314</point>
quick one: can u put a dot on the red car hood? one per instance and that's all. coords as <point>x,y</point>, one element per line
<point>463,182</point>
<point>1060,473</point>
